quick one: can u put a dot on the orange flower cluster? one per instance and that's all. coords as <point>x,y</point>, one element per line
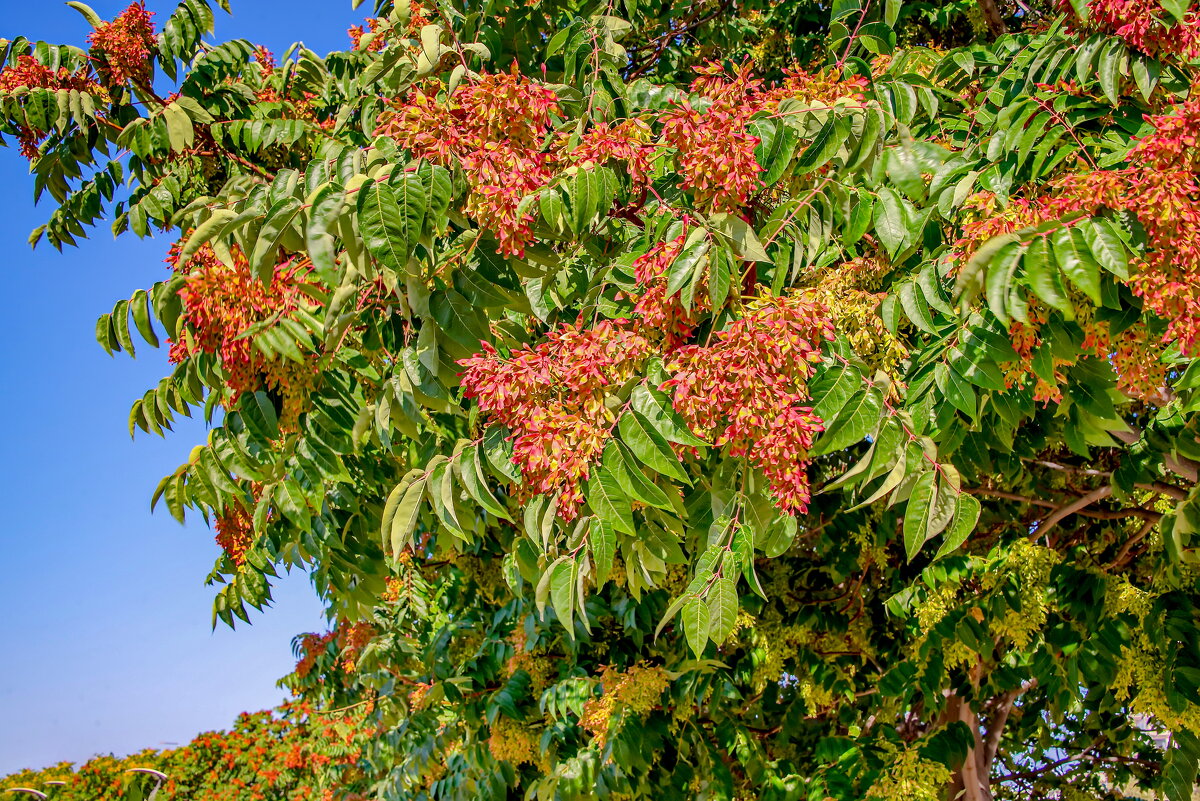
<point>235,533</point>
<point>125,45</point>
<point>349,640</point>
<point>356,33</point>
<point>819,88</point>
<point>552,397</point>
<point>1144,24</point>
<point>220,303</point>
<point>27,73</point>
<point>747,390</point>
<point>495,129</point>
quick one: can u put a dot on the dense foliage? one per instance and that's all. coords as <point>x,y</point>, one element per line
<point>291,753</point>
<point>682,400</point>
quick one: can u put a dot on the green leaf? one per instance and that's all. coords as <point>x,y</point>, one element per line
<point>966,515</point>
<point>857,419</point>
<point>91,16</point>
<point>893,223</point>
<point>1108,248</point>
<point>957,390</point>
<point>266,248</point>
<point>919,513</point>
<point>696,625</point>
<point>915,307</point>
<point>686,267</point>
<point>610,504</point>
<point>401,511</point>
<point>459,319</point>
<point>628,472</point>
<point>390,218</point>
<point>823,146</point>
<point>602,540</point>
<point>1176,8</point>
<point>1044,277</point>
<point>970,281</point>
<point>1109,69</point>
<point>649,446</point>
<point>830,402</point>
<point>1075,259</point>
<point>563,575</point>
<point>1001,274</point>
<point>139,304</point>
<point>655,407</point>
<point>258,412</point>
<point>743,549</point>
<point>746,244</point>
<point>473,478</point>
<point>1180,766</point>
<point>722,609</point>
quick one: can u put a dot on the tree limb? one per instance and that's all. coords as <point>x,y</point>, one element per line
<point>1058,515</point>
<point>1184,468</point>
<point>996,730</point>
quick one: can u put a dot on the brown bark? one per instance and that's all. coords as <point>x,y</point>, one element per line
<point>993,18</point>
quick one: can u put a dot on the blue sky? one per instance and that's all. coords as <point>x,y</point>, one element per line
<point>106,639</point>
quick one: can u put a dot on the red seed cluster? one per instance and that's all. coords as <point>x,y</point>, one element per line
<point>628,143</point>
<point>349,640</point>
<point>715,152</point>
<point>553,398</point>
<point>356,33</point>
<point>660,314</point>
<point>495,128</point>
<point>220,303</point>
<point>125,45</point>
<point>1144,24</point>
<point>27,73</point>
<point>747,390</point>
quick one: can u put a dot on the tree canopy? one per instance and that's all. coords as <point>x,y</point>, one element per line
<point>673,400</point>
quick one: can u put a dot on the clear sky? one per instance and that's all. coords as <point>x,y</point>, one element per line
<point>105,638</point>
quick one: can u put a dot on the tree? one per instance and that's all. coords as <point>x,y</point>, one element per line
<point>290,753</point>
<point>656,424</point>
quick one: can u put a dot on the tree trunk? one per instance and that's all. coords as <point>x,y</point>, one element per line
<point>972,780</point>
<point>993,18</point>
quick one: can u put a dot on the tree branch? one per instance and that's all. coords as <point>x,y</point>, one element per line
<point>1096,514</point>
<point>996,730</point>
<point>1184,468</point>
<point>1058,515</point>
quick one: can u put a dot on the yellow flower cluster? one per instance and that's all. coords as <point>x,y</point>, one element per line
<point>910,778</point>
<point>1141,670</point>
<point>637,690</point>
<point>1032,565</point>
<point>537,664</point>
<point>847,292</point>
<point>936,606</point>
<point>514,743</point>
